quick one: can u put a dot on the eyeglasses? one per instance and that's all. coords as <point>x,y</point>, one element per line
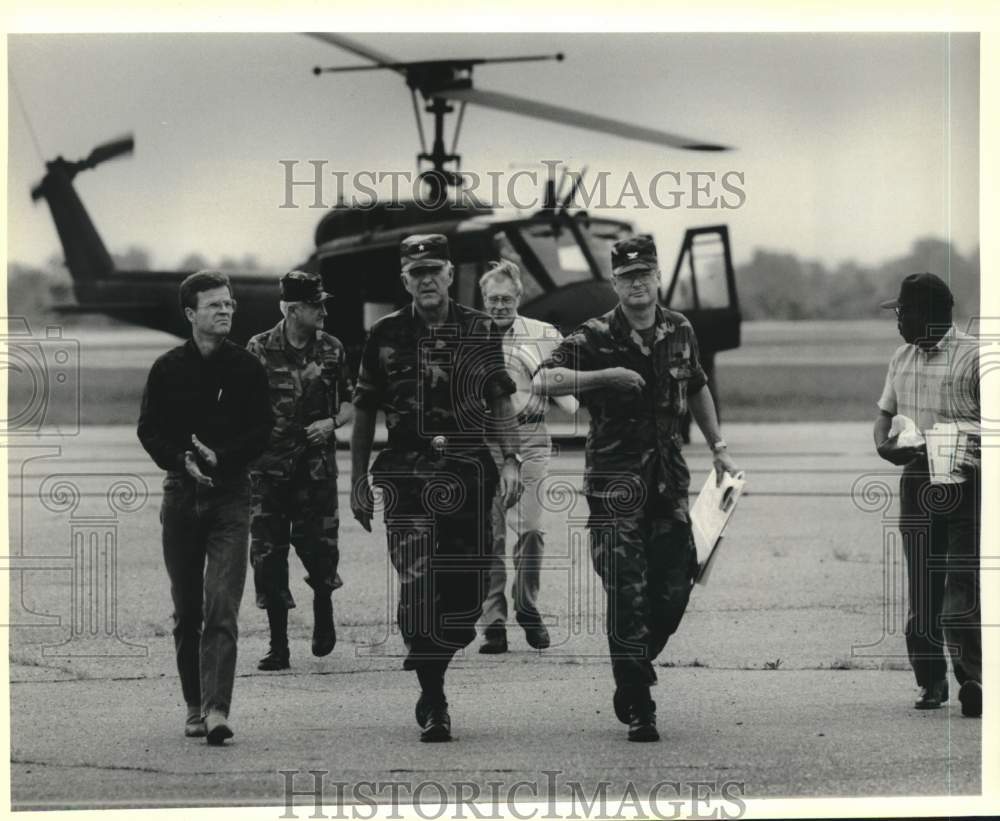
<point>420,273</point>
<point>219,305</point>
<point>635,277</point>
<point>504,301</point>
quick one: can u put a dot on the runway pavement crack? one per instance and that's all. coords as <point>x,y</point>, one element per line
<point>126,768</point>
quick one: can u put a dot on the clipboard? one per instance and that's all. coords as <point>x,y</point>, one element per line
<point>710,514</point>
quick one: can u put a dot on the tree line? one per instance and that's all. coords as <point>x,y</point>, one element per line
<point>776,285</point>
<point>772,285</point>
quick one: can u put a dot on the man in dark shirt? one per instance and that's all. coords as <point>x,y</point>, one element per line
<point>636,370</point>
<point>205,415</point>
<point>436,369</point>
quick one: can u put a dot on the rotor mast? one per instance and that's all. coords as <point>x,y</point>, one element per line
<point>444,82</point>
<point>434,80</point>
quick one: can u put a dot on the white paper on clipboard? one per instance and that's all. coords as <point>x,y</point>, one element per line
<point>710,514</point>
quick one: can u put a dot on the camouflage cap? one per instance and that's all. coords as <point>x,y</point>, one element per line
<point>299,286</point>
<point>633,255</point>
<point>423,251</point>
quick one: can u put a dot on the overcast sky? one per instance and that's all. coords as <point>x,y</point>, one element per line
<point>850,145</point>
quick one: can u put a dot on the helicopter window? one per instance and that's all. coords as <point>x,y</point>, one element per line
<point>709,266</point>
<point>560,255</point>
<point>704,259</point>
<point>465,283</point>
<point>601,239</point>
<point>683,296</point>
<point>506,250</point>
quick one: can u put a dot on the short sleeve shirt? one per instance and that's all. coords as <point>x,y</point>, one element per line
<point>939,385</point>
<point>634,443</point>
<point>433,381</point>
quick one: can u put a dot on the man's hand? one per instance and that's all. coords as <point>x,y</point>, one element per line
<point>723,463</point>
<point>890,450</point>
<point>362,501</point>
<point>622,379</point>
<point>205,453</point>
<point>191,466</point>
<point>320,431</point>
<point>511,486</point>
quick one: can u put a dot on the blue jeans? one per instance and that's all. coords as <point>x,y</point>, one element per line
<point>205,545</point>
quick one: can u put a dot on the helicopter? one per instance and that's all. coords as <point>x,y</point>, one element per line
<point>563,252</point>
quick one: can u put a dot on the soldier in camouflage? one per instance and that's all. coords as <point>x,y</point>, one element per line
<point>637,372</point>
<point>294,483</point>
<point>436,370</point>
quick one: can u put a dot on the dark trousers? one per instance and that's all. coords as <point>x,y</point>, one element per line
<point>647,563</point>
<point>301,511</point>
<point>440,541</point>
<point>205,534</point>
<point>940,527</point>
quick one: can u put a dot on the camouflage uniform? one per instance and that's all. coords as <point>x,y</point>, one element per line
<point>636,481</point>
<point>294,484</point>
<point>435,383</point>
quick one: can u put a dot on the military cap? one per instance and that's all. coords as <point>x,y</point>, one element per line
<point>634,254</point>
<point>423,251</point>
<point>298,286</point>
<point>922,290</point>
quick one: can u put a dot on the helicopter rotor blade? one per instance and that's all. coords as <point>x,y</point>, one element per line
<point>579,119</point>
<point>346,43</point>
<point>109,150</point>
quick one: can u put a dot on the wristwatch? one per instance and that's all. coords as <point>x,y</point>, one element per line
<point>516,457</point>
<point>720,444</point>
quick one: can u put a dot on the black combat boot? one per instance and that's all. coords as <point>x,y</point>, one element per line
<point>642,724</point>
<point>324,633</point>
<point>277,657</point>
<point>432,707</point>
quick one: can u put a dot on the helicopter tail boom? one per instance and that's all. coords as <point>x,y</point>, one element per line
<point>85,254</point>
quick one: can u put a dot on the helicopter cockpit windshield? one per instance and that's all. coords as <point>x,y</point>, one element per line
<point>554,254</point>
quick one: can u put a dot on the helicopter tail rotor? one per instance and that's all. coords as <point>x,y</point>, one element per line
<point>108,151</point>
<point>100,154</point>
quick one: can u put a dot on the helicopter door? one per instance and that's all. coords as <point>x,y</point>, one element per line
<point>703,288</point>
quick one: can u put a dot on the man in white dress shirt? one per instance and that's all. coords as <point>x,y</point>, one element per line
<point>526,344</point>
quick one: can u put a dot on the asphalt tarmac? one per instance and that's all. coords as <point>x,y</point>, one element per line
<point>788,675</point>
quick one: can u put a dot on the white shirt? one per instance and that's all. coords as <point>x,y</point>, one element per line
<point>526,344</point>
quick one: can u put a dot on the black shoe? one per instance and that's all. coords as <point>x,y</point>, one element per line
<point>194,726</point>
<point>971,697</point>
<point>623,705</point>
<point>276,659</point>
<point>642,726</point>
<point>437,726</point>
<point>324,637</point>
<point>536,635</point>
<point>495,640</point>
<point>217,729</point>
<point>534,630</point>
<point>933,696</point>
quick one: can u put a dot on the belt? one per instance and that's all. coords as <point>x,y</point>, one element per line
<point>434,444</point>
<point>530,418</point>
